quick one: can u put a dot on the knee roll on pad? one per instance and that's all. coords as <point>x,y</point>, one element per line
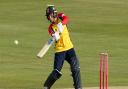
<point>56,74</point>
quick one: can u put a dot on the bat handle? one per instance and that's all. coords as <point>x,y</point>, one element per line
<point>50,40</point>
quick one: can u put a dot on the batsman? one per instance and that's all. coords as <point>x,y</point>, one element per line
<point>64,50</point>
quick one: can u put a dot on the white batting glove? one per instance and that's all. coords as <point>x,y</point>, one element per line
<point>56,36</point>
<point>60,27</point>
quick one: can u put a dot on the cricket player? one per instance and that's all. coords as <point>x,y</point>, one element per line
<point>63,48</point>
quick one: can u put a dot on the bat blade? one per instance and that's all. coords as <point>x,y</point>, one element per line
<point>45,48</point>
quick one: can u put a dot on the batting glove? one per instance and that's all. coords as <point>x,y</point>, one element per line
<point>56,36</point>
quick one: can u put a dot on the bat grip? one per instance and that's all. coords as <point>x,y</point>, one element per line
<point>50,40</point>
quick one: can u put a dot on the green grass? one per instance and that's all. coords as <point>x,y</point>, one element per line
<point>95,26</point>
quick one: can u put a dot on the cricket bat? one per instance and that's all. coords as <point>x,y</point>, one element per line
<point>45,48</point>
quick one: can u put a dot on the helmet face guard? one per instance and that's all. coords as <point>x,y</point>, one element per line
<point>51,10</point>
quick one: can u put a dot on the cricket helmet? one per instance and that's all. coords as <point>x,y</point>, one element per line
<point>51,10</point>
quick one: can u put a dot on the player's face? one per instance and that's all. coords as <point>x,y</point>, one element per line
<point>52,18</point>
